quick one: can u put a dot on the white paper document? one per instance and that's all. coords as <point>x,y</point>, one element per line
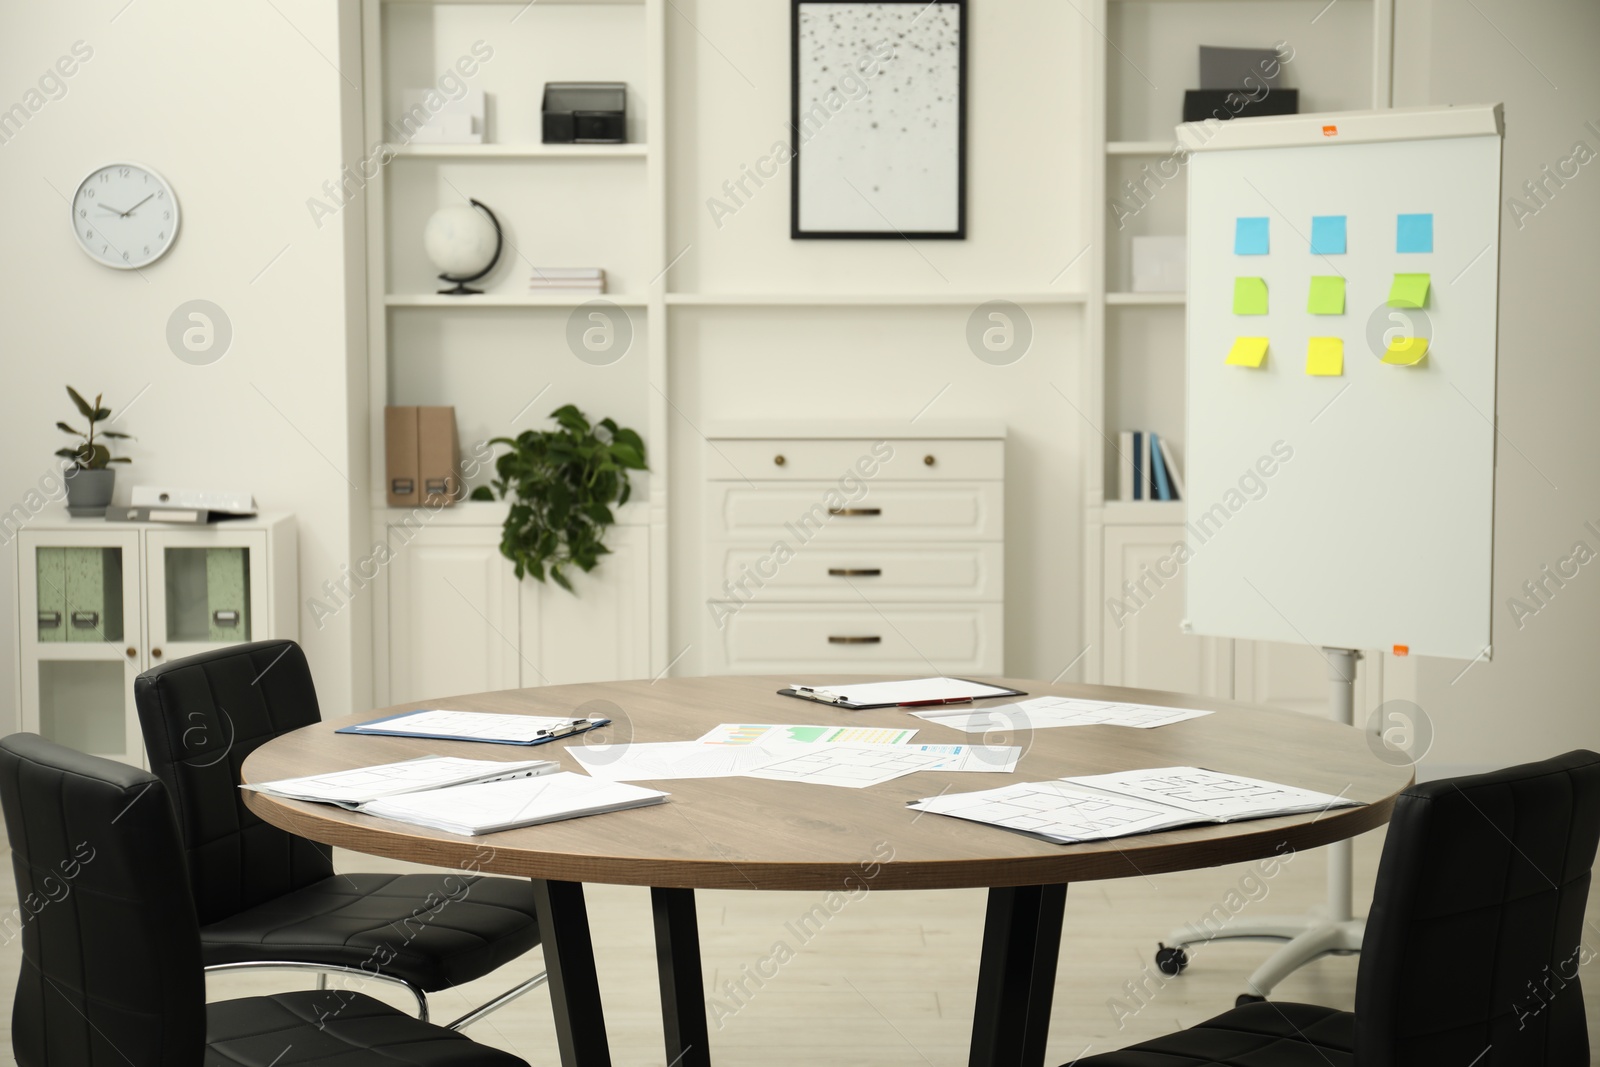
<point>1043,713</point>
<point>493,806</point>
<point>996,759</point>
<point>1056,811</point>
<point>763,734</point>
<point>1096,807</point>
<point>352,788</point>
<point>850,766</point>
<point>890,694</point>
<point>1217,797</point>
<point>659,760</point>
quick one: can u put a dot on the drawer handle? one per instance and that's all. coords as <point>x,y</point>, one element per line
<point>835,639</point>
<point>86,620</point>
<point>855,572</point>
<point>779,460</point>
<point>928,460</point>
<point>855,511</point>
<point>225,618</point>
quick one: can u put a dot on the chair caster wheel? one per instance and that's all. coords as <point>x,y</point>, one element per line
<point>1171,961</point>
<point>1248,998</point>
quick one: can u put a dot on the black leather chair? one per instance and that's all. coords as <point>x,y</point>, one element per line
<point>270,900</point>
<point>111,972</point>
<point>1472,947</point>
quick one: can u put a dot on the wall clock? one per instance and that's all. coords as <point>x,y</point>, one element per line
<point>124,215</point>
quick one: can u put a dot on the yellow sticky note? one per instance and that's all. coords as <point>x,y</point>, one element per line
<point>1247,352</point>
<point>1249,296</point>
<point>1327,295</point>
<point>1325,357</point>
<point>1409,291</point>
<point>1406,351</point>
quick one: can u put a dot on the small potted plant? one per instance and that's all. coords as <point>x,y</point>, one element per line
<point>562,484</point>
<point>90,478</point>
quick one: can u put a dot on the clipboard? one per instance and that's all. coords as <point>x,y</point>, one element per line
<point>823,695</point>
<point>374,729</point>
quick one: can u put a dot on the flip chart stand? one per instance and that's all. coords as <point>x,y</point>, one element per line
<point>1335,929</point>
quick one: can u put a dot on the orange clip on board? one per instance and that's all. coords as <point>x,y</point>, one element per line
<point>1402,650</point>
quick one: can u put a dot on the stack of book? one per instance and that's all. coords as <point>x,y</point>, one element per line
<point>574,281</point>
<point>1147,469</point>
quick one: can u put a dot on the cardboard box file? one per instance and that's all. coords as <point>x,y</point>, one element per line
<point>438,456</point>
<point>51,566</point>
<point>228,594</point>
<point>400,449</point>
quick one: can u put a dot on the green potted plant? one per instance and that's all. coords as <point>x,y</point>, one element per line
<point>562,484</point>
<point>90,478</point>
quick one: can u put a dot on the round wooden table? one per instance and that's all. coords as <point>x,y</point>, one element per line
<point>753,834</point>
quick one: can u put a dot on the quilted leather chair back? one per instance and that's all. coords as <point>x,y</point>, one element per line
<point>1477,931</point>
<point>201,717</point>
<point>111,973</point>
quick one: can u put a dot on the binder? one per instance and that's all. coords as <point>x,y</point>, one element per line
<point>438,456</point>
<point>1125,465</point>
<point>400,449</point>
<point>1173,475</point>
<point>51,594</point>
<point>1159,469</point>
<point>94,595</point>
<point>228,594</point>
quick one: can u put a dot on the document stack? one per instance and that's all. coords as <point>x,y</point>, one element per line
<point>574,281</point>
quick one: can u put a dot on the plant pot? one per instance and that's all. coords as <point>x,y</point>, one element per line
<point>89,492</point>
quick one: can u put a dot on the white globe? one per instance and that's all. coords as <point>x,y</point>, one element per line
<point>459,240</point>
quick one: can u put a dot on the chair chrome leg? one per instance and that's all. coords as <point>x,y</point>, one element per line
<point>499,1002</point>
<point>323,970</point>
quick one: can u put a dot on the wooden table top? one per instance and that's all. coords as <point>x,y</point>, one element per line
<point>747,833</point>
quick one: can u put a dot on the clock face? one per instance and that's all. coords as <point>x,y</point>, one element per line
<point>125,215</point>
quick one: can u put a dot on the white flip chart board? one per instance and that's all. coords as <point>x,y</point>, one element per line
<point>1352,508</point>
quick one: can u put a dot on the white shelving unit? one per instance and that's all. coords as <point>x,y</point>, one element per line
<point>1340,59</point>
<point>502,358</point>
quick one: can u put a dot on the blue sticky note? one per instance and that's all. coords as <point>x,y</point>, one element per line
<point>1327,235</point>
<point>1250,236</point>
<point>1414,234</point>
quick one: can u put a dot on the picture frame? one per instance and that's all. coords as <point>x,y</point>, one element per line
<point>878,106</point>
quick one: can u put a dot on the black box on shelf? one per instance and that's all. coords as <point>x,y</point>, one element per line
<point>1202,104</point>
<point>585,113</point>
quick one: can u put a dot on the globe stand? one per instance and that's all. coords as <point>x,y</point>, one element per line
<point>460,284</point>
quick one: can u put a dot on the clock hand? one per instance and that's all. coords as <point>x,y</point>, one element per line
<point>137,206</point>
<point>108,207</point>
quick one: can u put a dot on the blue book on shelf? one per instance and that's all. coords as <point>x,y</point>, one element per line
<point>1163,490</point>
<point>1138,465</point>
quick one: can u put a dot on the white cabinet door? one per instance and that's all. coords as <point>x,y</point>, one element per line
<point>81,639</point>
<point>452,614</point>
<point>1143,608</point>
<point>600,632</point>
<point>202,588</point>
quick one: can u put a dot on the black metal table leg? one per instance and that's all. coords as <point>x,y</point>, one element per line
<point>574,989</point>
<point>683,1002</point>
<point>1017,975</point>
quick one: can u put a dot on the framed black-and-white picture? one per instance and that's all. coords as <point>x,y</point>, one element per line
<point>879,119</point>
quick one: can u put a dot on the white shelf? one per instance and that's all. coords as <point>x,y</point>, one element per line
<point>519,151</point>
<point>1143,512</point>
<point>1146,299</point>
<point>867,299</point>
<point>507,300</point>
<point>1140,148</point>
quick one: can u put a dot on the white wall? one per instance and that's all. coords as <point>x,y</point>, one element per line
<point>239,106</point>
<point>729,93</point>
<point>1540,694</point>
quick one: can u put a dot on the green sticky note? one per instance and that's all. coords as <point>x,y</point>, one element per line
<point>1409,291</point>
<point>1327,295</point>
<point>1249,296</point>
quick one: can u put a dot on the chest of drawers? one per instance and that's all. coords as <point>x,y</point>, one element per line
<point>845,549</point>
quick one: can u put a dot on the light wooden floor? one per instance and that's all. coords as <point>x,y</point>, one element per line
<point>890,979</point>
